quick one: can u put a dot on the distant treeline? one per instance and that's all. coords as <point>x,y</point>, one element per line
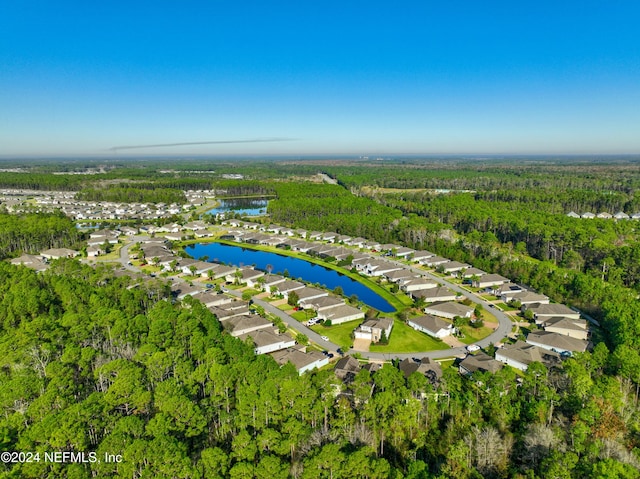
<point>493,175</point>
<point>132,194</point>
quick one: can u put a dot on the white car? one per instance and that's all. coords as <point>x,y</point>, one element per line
<point>324,338</point>
<point>472,348</point>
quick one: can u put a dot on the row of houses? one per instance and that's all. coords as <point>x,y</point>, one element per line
<point>620,215</point>
<point>40,262</point>
<point>237,319</point>
<point>18,200</point>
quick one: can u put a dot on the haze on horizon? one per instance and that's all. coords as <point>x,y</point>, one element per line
<point>79,79</point>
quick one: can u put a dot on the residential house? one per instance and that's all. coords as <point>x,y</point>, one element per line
<point>557,342</point>
<point>403,252</point>
<point>266,341</point>
<point>436,327</point>
<point>434,261</point>
<point>303,362</point>
<point>417,284</point>
<point>56,253</point>
<point>322,303</point>
<point>270,280</point>
<point>373,329</point>
<point>471,272</point>
<point>542,312</point>
<point>524,297</point>
<point>521,354</point>
<point>308,293</point>
<point>346,368</point>
<point>30,261</point>
<point>426,366</point>
<point>449,310</point>
<point>340,314</point>
<point>500,289</point>
<point>420,256</point>
<point>453,267</point>
<point>94,251</point>
<point>479,362</point>
<point>487,280</point>
<point>435,294</point>
<point>197,268</point>
<point>287,286</point>
<point>574,328</point>
<point>245,324</point>
<point>399,275</point>
<point>181,290</point>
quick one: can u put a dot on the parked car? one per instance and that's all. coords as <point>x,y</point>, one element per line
<point>472,348</point>
<point>324,338</point>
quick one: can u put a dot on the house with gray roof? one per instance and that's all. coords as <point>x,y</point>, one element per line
<point>479,362</point>
<point>346,368</point>
<point>521,354</point>
<point>245,324</point>
<point>541,311</point>
<point>56,253</point>
<point>449,310</point>
<point>454,267</point>
<point>322,303</point>
<point>426,366</point>
<point>30,261</point>
<point>487,280</point>
<point>303,362</point>
<point>575,328</point>
<point>436,327</point>
<point>417,284</point>
<point>340,314</point>
<point>431,295</point>
<point>267,341</point>
<point>557,342</point>
<point>372,329</point>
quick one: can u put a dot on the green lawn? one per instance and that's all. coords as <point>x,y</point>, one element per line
<point>487,317</point>
<point>405,339</point>
<point>303,315</point>
<point>339,334</point>
<point>471,334</point>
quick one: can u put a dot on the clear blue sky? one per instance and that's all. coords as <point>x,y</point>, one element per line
<point>337,77</point>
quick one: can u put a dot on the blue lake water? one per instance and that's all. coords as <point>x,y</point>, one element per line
<point>242,206</point>
<point>297,268</point>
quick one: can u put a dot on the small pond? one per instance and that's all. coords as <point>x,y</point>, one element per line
<point>242,206</point>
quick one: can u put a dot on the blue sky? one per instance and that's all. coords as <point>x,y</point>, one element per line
<point>419,77</point>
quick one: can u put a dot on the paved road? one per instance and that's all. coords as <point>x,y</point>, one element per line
<point>291,322</point>
<point>124,253</point>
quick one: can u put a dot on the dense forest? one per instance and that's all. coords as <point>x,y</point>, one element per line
<point>32,233</point>
<point>132,194</point>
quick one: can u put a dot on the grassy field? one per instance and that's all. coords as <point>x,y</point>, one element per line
<point>303,315</point>
<point>487,317</point>
<point>471,334</point>
<point>405,339</point>
<point>339,334</point>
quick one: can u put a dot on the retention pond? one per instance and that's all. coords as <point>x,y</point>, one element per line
<point>297,268</point>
